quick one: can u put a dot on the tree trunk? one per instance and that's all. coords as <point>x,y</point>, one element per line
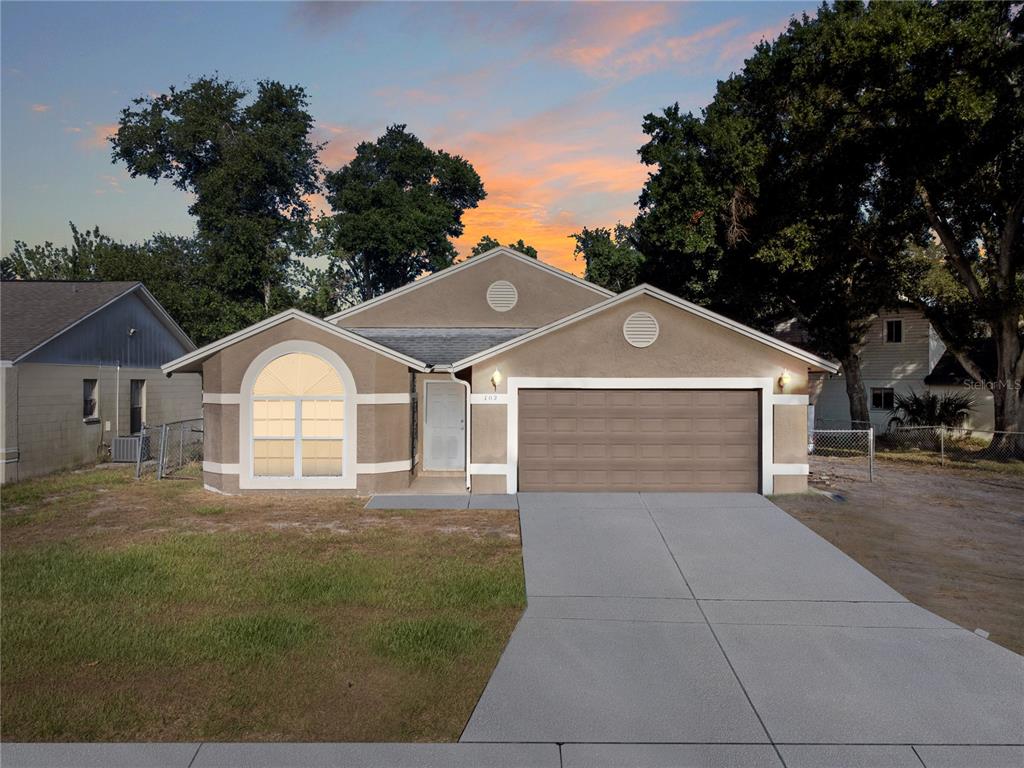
<point>859,416</point>
<point>1007,391</point>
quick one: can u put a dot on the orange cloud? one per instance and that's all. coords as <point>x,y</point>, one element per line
<point>549,175</point>
<point>664,52</point>
<point>99,136</point>
<point>608,29</point>
<point>40,107</point>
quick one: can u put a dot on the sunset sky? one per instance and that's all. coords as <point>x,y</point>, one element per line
<point>545,100</point>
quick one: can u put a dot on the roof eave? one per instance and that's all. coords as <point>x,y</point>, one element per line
<point>812,360</point>
<point>470,262</point>
<point>183,364</point>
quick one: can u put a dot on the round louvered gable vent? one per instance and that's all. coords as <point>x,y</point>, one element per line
<point>502,296</point>
<point>640,329</point>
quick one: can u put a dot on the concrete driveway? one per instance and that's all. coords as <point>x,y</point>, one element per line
<point>714,629</point>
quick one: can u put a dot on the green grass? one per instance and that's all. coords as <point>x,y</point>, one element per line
<point>174,632</point>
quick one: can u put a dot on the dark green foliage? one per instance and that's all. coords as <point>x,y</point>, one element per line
<point>396,206</point>
<point>488,243</point>
<point>613,261</point>
<point>251,166</point>
<point>930,410</point>
<point>172,268</point>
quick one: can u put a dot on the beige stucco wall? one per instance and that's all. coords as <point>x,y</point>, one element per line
<point>382,428</point>
<point>43,412</point>
<point>790,484</point>
<point>460,299</point>
<point>223,372</point>
<point>687,346</point>
<point>490,434</point>
<point>790,434</point>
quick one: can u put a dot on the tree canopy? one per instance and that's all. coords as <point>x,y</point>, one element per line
<point>805,186</point>
<point>250,163</point>
<point>487,243</point>
<point>395,209</point>
<point>612,260</point>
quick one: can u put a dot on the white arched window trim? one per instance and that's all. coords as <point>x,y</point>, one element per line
<point>246,479</point>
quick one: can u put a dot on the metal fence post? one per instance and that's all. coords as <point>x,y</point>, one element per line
<point>138,456</point>
<point>160,458</point>
<point>942,446</point>
<point>871,454</point>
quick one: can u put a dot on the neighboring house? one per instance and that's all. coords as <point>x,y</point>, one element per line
<point>504,374</point>
<point>81,365</point>
<point>902,353</point>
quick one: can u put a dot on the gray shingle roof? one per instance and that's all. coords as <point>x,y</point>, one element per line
<point>439,346</point>
<point>32,312</point>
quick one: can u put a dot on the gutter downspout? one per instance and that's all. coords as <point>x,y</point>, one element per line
<point>468,425</point>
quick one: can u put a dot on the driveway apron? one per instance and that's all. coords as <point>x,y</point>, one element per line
<point>696,621</point>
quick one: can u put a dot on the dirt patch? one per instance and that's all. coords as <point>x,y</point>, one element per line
<point>950,540</point>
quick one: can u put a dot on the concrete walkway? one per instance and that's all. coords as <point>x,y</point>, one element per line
<point>705,630</point>
<point>685,631</point>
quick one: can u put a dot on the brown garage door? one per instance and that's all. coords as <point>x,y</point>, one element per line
<point>628,440</point>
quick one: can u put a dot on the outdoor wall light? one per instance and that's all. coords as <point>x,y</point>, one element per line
<point>496,379</point>
<point>784,379</point>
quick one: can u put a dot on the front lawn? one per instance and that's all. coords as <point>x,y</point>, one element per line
<point>136,611</point>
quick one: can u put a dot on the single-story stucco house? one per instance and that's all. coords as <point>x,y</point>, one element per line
<point>503,374</point>
<point>79,366</point>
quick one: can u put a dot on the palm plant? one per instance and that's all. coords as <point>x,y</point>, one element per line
<point>950,410</point>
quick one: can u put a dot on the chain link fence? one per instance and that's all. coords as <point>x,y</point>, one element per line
<point>952,445</point>
<point>844,444</point>
<point>174,449</point>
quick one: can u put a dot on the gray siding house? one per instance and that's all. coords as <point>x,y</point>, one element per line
<point>79,365</point>
<point>902,353</point>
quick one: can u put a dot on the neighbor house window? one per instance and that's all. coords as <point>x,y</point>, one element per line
<point>90,404</point>
<point>881,398</point>
<point>893,331</point>
<point>298,418</point>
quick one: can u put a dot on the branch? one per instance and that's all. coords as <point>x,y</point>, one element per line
<point>961,354</point>
<point>949,242</point>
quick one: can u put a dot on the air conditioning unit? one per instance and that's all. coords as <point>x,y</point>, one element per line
<point>126,449</point>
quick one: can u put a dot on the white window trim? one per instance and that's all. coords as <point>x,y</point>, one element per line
<point>246,478</point>
<point>764,385</point>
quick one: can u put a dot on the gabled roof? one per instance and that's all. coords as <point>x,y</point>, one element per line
<point>463,265</point>
<point>33,313</point>
<point>193,360</point>
<point>668,298</point>
<point>440,346</point>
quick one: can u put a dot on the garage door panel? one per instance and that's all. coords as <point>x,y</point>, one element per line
<point>626,440</point>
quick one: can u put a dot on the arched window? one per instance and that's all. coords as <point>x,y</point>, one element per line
<point>298,418</point>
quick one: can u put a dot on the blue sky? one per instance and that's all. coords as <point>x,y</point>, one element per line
<point>546,100</point>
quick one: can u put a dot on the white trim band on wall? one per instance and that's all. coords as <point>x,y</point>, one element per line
<point>790,400</point>
<point>222,398</point>
<point>380,467</point>
<point>220,469</point>
<point>484,398</point>
<point>488,469</point>
<point>791,469</point>
<point>382,398</point>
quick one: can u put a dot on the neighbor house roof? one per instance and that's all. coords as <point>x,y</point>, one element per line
<point>193,360</point>
<point>440,346</point>
<point>949,371</point>
<point>467,264</point>
<point>668,298</point>
<point>32,313</point>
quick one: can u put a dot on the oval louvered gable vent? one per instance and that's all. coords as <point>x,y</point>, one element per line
<point>640,329</point>
<point>502,296</point>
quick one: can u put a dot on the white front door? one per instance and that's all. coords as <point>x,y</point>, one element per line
<point>444,446</point>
